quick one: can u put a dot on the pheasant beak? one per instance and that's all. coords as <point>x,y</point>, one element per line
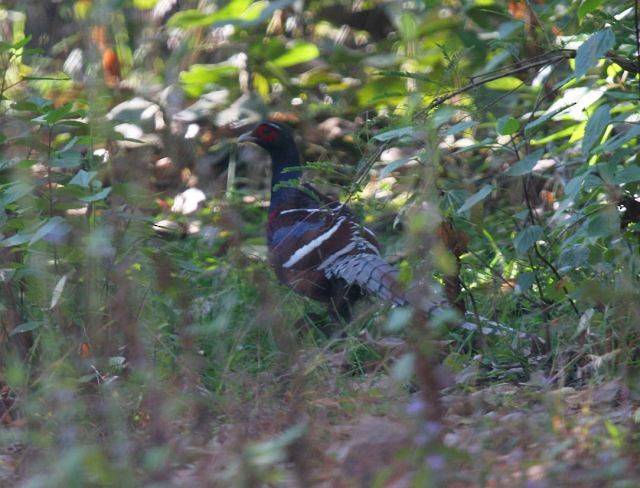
<point>247,137</point>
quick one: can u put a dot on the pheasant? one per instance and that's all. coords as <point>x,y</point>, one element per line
<point>317,246</point>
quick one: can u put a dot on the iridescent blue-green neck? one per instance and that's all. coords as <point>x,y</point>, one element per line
<point>285,162</point>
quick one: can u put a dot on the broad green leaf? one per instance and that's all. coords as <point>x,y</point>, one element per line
<point>604,224</point>
<point>534,124</point>
<point>442,115</point>
<point>237,12</point>
<point>16,239</point>
<point>577,100</point>
<point>385,91</point>
<point>592,50</point>
<point>27,327</point>
<point>588,6</point>
<point>525,165</point>
<point>83,178</point>
<point>253,12</point>
<point>67,159</point>
<point>459,127</point>
<point>301,52</point>
<point>572,188</point>
<point>526,238</point>
<point>207,73</point>
<point>101,195</point>
<point>53,225</point>
<point>507,125</point>
<point>506,83</point>
<point>629,174</point>
<point>394,134</point>
<point>190,19</point>
<point>200,78</point>
<point>524,281</point>
<point>408,25</point>
<point>595,127</point>
<point>618,140</point>
<point>573,257</point>
<point>55,115</point>
<point>14,192</point>
<point>476,198</point>
<point>21,43</point>
<point>393,165</point>
<point>144,4</point>
<point>194,18</point>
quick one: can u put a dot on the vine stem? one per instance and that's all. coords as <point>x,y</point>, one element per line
<point>50,193</point>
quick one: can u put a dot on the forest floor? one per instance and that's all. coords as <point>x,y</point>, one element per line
<point>364,432</point>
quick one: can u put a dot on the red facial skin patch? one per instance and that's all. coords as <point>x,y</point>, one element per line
<point>266,133</point>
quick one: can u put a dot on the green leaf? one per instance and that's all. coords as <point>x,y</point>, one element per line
<point>66,159</point>
<point>572,258</point>
<point>595,127</point>
<point>55,115</point>
<point>16,239</point>
<point>507,125</point>
<point>394,165</point>
<point>190,19</point>
<point>408,25</point>
<point>525,165</point>
<point>52,225</point>
<point>534,124</point>
<point>604,224</point>
<point>237,12</point>
<point>459,127</point>
<point>386,91</point>
<point>27,327</point>
<point>21,43</point>
<point>524,281</point>
<point>101,195</point>
<point>394,134</point>
<point>200,78</point>
<point>144,4</point>
<point>629,174</point>
<point>194,18</point>
<point>301,52</point>
<point>592,50</point>
<point>526,238</point>
<point>506,83</point>
<point>83,178</point>
<point>618,140</point>
<point>588,6</point>
<point>14,192</point>
<point>476,198</point>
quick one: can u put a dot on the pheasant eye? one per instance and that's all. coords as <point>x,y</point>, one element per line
<point>266,133</point>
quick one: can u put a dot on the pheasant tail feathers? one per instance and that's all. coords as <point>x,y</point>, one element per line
<point>371,273</point>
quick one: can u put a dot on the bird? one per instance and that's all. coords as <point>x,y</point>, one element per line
<point>318,247</point>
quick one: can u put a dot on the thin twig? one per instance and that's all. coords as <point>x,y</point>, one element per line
<point>476,81</point>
